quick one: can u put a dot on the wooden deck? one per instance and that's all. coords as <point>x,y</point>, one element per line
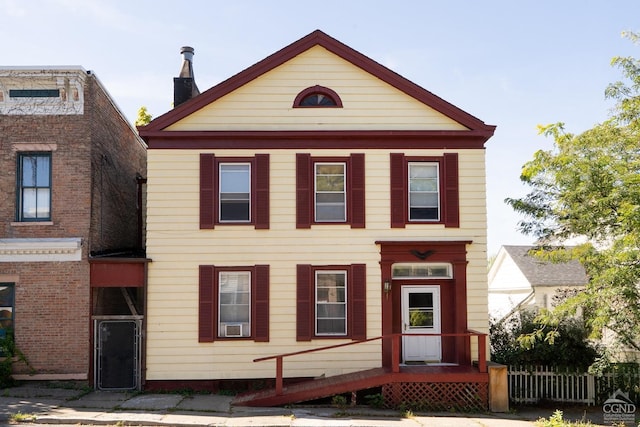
<point>361,380</point>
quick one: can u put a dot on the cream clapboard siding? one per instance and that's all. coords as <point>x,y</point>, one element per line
<point>177,247</point>
<point>266,102</point>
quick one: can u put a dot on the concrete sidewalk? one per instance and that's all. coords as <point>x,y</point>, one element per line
<point>73,406</point>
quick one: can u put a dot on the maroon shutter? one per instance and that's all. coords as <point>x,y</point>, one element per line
<point>261,204</point>
<point>261,303</point>
<point>451,191</point>
<point>206,304</point>
<point>207,191</point>
<point>356,189</point>
<point>304,189</point>
<point>398,190</point>
<point>304,303</point>
<point>358,306</point>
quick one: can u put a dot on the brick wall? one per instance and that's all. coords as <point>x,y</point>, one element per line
<point>116,158</point>
<point>95,159</point>
<point>52,316</point>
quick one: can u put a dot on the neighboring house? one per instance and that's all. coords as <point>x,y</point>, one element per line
<point>518,280</point>
<point>72,170</point>
<point>316,198</point>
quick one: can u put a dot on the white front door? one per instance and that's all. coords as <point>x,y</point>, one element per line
<point>421,315</point>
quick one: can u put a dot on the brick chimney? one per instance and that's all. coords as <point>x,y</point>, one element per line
<point>184,86</point>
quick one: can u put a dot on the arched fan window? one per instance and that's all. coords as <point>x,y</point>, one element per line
<point>317,96</point>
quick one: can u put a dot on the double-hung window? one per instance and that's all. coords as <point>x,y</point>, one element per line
<point>234,191</point>
<point>424,190</point>
<point>331,302</point>
<point>234,315</point>
<point>330,192</point>
<point>233,303</point>
<point>34,187</point>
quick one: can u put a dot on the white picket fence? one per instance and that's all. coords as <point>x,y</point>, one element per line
<point>531,384</point>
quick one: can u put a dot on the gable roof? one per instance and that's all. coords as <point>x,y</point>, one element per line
<point>476,127</point>
<point>545,273</point>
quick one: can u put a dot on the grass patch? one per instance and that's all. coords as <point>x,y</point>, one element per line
<point>557,420</point>
<point>22,418</point>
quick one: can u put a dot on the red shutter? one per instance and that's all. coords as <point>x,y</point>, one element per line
<point>358,306</point>
<point>398,190</point>
<point>207,191</point>
<point>261,303</point>
<point>304,303</point>
<point>304,189</point>
<point>356,189</point>
<point>206,304</point>
<point>451,191</point>
<point>261,204</point>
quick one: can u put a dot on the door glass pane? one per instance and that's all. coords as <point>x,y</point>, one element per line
<point>423,300</point>
<point>421,310</point>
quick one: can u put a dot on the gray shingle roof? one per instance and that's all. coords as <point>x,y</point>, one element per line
<point>544,273</point>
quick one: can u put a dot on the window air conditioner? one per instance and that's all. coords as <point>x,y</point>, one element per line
<point>233,330</point>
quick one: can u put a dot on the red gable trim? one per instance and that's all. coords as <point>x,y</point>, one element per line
<point>345,52</point>
<point>316,139</point>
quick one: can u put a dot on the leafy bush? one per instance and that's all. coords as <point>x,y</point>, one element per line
<point>514,342</point>
<point>8,353</point>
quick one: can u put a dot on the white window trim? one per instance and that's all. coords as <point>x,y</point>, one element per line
<point>232,221</point>
<point>222,325</point>
<point>346,305</point>
<point>315,192</point>
<point>438,198</point>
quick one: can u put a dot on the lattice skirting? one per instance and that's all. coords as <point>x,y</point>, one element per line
<point>437,396</point>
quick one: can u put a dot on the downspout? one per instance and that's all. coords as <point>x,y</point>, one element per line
<point>140,181</point>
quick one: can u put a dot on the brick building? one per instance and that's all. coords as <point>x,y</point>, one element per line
<point>72,178</point>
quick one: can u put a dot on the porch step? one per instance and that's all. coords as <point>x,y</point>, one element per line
<point>316,389</point>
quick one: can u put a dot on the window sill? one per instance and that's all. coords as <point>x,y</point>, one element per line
<point>26,223</point>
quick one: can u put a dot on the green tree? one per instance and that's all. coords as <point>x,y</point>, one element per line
<point>571,347</point>
<point>144,117</point>
<point>588,186</point>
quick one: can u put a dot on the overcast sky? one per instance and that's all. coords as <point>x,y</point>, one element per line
<point>511,63</point>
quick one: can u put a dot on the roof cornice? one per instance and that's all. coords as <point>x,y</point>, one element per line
<point>317,139</point>
<point>340,49</point>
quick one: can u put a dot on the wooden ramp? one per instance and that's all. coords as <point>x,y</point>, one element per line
<point>316,389</point>
<point>446,383</point>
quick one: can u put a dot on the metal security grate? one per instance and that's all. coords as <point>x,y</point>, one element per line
<point>117,354</point>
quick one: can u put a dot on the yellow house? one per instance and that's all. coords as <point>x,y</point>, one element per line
<point>316,199</point>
